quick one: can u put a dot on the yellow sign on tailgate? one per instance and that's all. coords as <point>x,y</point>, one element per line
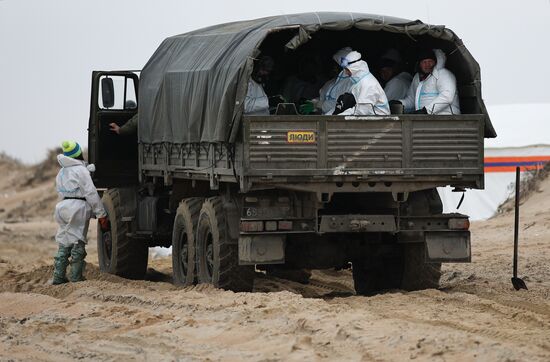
<point>300,137</point>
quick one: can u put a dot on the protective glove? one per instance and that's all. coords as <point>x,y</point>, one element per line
<point>307,107</point>
<point>104,223</point>
<point>421,111</point>
<point>344,101</point>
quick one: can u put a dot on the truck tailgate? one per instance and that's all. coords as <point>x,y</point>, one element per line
<point>388,146</point>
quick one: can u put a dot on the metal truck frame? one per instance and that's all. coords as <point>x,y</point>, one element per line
<point>291,192</point>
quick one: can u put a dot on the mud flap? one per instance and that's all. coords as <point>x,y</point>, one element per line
<point>448,247</point>
<point>262,249</point>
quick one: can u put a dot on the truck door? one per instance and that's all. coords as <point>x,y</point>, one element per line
<point>114,99</point>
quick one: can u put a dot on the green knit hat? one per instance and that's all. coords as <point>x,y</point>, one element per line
<point>71,149</point>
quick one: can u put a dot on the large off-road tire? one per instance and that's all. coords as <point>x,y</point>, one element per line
<point>183,241</point>
<point>372,276</point>
<point>405,269</point>
<point>405,266</point>
<point>417,274</point>
<point>117,253</point>
<point>217,254</point>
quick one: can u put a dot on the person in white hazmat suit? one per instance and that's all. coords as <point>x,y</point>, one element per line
<point>79,200</point>
<point>256,101</point>
<point>396,82</point>
<point>330,91</point>
<point>365,96</point>
<point>433,89</point>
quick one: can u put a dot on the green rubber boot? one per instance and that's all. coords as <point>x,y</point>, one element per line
<point>78,264</point>
<point>61,261</point>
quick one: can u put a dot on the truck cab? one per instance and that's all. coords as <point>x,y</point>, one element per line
<point>114,99</point>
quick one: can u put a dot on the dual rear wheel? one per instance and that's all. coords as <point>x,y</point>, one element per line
<point>405,268</point>
<point>183,241</point>
<point>202,249</point>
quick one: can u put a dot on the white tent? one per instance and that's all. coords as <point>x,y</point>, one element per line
<point>523,140</point>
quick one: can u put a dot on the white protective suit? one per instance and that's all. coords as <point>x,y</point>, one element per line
<point>437,93</point>
<point>256,102</point>
<point>398,86</point>
<point>331,90</point>
<point>73,215</point>
<point>369,95</point>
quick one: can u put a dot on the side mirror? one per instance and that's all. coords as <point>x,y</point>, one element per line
<point>107,92</point>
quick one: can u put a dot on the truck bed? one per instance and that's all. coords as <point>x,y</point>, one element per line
<point>371,153</point>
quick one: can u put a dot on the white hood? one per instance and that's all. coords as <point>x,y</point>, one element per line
<point>65,161</point>
<point>341,54</point>
<point>354,64</point>
<point>358,68</point>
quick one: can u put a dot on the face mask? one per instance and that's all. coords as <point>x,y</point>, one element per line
<point>344,62</point>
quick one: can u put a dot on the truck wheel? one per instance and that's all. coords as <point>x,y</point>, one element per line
<point>217,254</point>
<point>372,277</point>
<point>117,253</point>
<point>417,274</point>
<point>183,241</point>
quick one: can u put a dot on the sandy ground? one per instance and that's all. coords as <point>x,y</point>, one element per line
<point>475,315</point>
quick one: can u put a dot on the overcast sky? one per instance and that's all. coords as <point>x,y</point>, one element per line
<point>48,49</point>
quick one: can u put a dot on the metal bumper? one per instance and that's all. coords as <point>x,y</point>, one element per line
<point>357,223</point>
<point>386,223</point>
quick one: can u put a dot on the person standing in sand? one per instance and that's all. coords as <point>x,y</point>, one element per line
<point>79,199</point>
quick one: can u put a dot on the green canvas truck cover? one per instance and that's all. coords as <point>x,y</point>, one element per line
<point>192,89</point>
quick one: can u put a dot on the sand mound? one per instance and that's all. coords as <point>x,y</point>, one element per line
<point>529,186</point>
<point>29,191</point>
<point>44,171</point>
<point>7,161</point>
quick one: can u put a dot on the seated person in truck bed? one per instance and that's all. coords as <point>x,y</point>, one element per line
<point>365,95</point>
<point>433,89</point>
<point>335,86</point>
<point>256,101</point>
<point>396,82</point>
<point>304,85</point>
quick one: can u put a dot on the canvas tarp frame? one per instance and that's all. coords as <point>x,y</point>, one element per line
<point>193,87</point>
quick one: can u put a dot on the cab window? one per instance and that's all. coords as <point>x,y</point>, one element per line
<point>117,93</point>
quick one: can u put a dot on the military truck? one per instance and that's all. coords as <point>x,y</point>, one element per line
<point>233,193</point>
